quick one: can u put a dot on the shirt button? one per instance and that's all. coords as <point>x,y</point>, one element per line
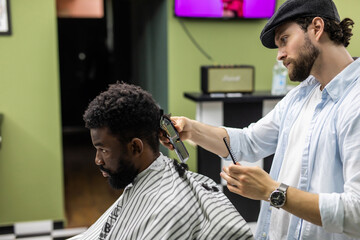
<point>264,234</point>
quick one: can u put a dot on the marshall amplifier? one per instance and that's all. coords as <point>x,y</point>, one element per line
<point>227,79</point>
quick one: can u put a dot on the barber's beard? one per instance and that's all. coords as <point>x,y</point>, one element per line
<point>124,175</point>
<point>302,66</point>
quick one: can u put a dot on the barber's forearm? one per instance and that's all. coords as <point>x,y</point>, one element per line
<point>209,137</point>
<point>305,205</point>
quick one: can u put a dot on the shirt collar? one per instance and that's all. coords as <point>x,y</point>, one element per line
<point>305,88</point>
<point>338,85</point>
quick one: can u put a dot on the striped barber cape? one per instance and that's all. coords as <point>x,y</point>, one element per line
<point>161,204</point>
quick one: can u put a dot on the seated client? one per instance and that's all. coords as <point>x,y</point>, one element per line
<point>161,198</point>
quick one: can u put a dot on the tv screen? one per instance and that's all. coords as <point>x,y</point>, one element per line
<point>224,8</point>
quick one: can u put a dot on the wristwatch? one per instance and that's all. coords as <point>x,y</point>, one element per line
<point>278,197</point>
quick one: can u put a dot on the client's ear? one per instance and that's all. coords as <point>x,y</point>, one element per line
<point>136,146</point>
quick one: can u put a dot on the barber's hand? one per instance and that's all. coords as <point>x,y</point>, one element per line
<point>250,182</point>
<point>182,125</point>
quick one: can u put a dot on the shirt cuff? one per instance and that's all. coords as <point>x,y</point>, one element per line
<point>232,135</point>
<point>331,212</point>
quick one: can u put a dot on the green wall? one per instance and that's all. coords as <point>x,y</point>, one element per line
<point>227,42</point>
<point>31,175</point>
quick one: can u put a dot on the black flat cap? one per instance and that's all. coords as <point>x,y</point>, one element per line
<point>292,9</point>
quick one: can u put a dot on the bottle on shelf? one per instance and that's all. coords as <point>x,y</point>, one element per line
<point>280,73</point>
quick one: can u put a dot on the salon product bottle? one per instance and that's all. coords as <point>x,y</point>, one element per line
<point>279,79</point>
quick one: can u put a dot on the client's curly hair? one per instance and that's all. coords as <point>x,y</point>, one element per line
<point>339,32</point>
<point>128,111</point>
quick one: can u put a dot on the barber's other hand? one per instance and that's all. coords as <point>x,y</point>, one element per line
<point>182,125</point>
<point>250,182</point>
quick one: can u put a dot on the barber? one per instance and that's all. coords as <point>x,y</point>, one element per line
<point>313,189</point>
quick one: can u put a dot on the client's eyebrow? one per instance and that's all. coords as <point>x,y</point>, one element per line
<point>99,144</point>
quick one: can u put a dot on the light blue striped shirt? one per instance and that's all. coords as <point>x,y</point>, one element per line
<point>330,163</point>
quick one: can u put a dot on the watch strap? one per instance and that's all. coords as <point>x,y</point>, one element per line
<point>283,187</point>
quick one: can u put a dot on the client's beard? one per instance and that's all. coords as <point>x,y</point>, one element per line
<point>124,175</point>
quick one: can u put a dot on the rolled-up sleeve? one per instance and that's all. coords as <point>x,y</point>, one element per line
<point>332,212</point>
<point>340,213</point>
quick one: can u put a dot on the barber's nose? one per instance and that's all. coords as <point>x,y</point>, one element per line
<point>281,54</point>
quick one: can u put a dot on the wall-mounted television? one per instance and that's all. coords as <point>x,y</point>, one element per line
<point>229,9</point>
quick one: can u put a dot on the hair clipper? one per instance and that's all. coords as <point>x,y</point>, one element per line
<point>173,135</point>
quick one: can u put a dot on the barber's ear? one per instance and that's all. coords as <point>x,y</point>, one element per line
<point>136,146</point>
<point>318,27</point>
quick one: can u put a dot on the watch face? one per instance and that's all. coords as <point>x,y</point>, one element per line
<point>277,198</point>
